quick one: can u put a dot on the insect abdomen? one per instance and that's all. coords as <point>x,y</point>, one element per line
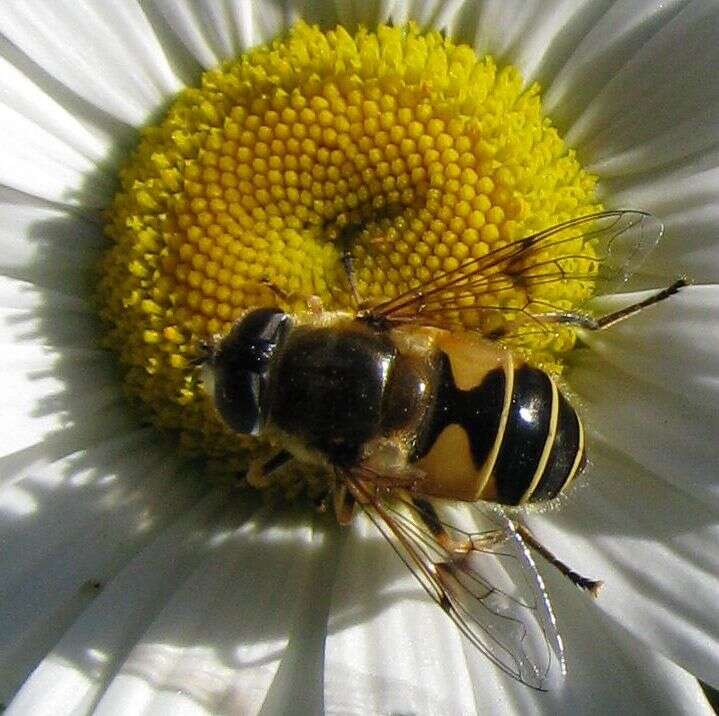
<point>542,446</point>
<point>498,430</point>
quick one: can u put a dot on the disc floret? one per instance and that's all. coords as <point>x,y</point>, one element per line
<point>437,154</point>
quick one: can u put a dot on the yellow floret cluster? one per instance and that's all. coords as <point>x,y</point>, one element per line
<point>435,154</point>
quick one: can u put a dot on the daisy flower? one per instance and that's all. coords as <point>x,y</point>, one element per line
<point>149,139</point>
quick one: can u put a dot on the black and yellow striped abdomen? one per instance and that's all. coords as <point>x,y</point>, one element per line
<point>498,429</point>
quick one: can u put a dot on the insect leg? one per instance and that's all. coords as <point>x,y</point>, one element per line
<point>259,471</point>
<point>278,292</point>
<point>348,265</point>
<point>344,503</point>
<point>314,303</point>
<point>598,324</point>
<point>462,546</point>
<point>429,516</point>
<point>589,585</point>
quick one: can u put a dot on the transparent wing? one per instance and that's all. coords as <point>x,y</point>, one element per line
<point>486,582</point>
<point>547,272</point>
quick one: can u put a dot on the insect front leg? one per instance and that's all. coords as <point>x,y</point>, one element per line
<point>598,324</point>
<point>313,302</point>
<point>260,470</point>
<point>348,236</point>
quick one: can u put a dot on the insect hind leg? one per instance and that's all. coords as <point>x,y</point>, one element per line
<point>584,583</point>
<point>610,319</point>
<point>487,541</point>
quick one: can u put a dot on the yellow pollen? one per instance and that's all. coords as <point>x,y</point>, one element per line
<point>439,155</point>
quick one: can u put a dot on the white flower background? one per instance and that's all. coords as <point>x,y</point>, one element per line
<point>128,585</point>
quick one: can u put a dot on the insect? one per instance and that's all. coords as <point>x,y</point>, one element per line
<point>399,404</point>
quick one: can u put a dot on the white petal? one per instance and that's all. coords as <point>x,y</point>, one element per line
<point>660,104</point>
<point>673,346</point>
<point>106,53</point>
<point>48,247</point>
<point>390,650</point>
<point>181,18</point>
<point>654,396</point>
<point>689,207</point>
<point>39,376</point>
<point>57,476</point>
<point>217,645</point>
<point>371,12</point>
<point>35,161</point>
<point>429,13</point>
<point>57,375</point>
<point>213,31</point>
<point>21,94</point>
<point>103,519</point>
<point>599,51</point>
<point>25,296</point>
<point>655,549</point>
<point>639,99</point>
<point>50,396</point>
<point>537,36</point>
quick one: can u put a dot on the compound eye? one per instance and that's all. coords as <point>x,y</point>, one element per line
<point>252,340</point>
<point>241,367</point>
<point>238,400</point>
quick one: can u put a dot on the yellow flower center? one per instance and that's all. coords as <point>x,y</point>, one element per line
<point>436,155</point>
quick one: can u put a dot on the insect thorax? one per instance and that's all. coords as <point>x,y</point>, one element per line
<point>340,389</point>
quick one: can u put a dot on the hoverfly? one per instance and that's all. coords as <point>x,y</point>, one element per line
<point>399,403</point>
